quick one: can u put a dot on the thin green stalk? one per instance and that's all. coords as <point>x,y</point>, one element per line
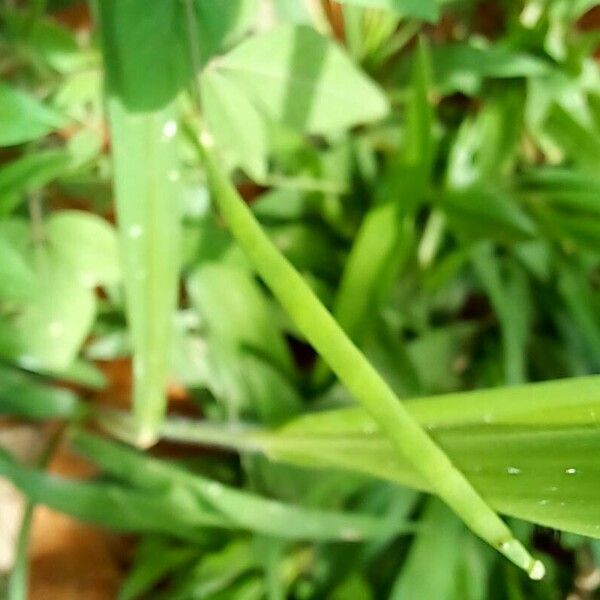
<point>361,379</point>
<point>17,583</point>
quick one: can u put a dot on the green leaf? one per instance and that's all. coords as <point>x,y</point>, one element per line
<point>17,279</point>
<point>154,558</point>
<point>24,396</point>
<point>579,139</point>
<point>149,206</point>
<point>503,439</point>
<point>23,118</point>
<point>237,126</point>
<point>221,22</point>
<point>247,353</point>
<point>582,304</point>
<point>236,508</point>
<point>78,252</point>
<point>462,66</point>
<point>118,507</point>
<point>417,9</point>
<point>137,41</point>
<point>304,80</point>
<point>52,327</point>
<point>479,212</point>
<point>510,297</point>
<point>28,174</point>
<point>235,308</point>
<point>422,576</point>
<point>85,244</point>
<point>217,572</point>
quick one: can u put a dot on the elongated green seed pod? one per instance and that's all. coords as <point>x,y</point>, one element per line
<point>357,374</point>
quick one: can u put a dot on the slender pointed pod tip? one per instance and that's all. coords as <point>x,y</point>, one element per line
<point>537,570</point>
<point>520,556</point>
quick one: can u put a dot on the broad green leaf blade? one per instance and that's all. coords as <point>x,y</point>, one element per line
<point>531,450</point>
<point>239,129</point>
<point>304,80</point>
<point>517,469</point>
<point>148,200</point>
<point>563,402</point>
<point>238,508</point>
<point>86,244</point>
<point>23,118</point>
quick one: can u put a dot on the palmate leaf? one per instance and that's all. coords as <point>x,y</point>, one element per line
<point>303,80</point>
<point>530,450</point>
<point>238,127</point>
<point>55,283</point>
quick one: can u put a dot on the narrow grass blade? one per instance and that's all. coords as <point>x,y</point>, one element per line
<point>143,73</point>
<point>25,396</point>
<point>410,441</point>
<point>146,174</point>
<point>386,234</point>
<point>18,587</point>
<point>237,508</point>
<point>170,511</point>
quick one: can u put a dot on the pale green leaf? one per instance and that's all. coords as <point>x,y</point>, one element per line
<point>17,279</point>
<point>23,118</point>
<point>86,244</point>
<point>52,327</point>
<point>304,80</point>
<point>237,126</point>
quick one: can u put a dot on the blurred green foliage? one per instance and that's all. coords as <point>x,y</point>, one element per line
<point>441,197</point>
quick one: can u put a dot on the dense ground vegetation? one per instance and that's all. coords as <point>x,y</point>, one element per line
<point>430,168</point>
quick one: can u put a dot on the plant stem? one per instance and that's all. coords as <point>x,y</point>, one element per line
<point>17,583</point>
<point>357,374</point>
